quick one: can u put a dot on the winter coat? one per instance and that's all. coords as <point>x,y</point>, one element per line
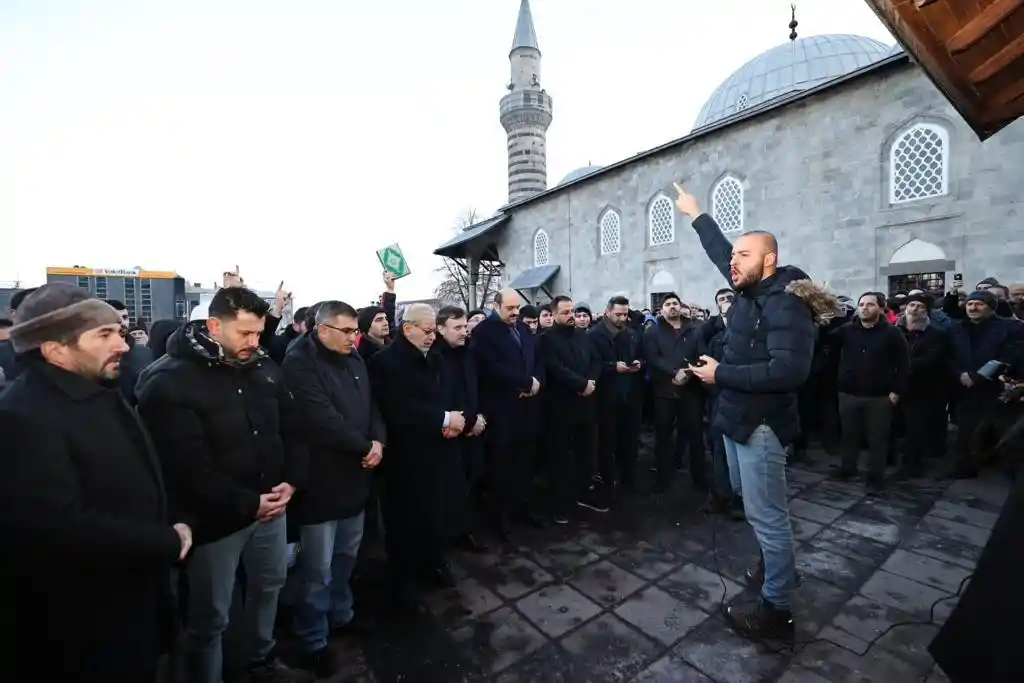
<point>340,422</point>
<point>226,432</point>
<point>769,347</point>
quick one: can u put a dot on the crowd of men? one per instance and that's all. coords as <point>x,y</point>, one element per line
<point>217,444</point>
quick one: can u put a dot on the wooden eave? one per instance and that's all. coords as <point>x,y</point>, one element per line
<point>973,50</point>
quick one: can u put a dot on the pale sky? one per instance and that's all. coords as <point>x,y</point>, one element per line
<point>296,138</point>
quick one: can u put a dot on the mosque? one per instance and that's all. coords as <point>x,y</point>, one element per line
<point>838,144</point>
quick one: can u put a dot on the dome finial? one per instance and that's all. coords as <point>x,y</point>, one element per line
<point>793,23</point>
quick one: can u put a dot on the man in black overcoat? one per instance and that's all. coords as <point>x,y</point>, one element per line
<point>511,377</point>
<point>424,479</point>
<point>88,544</point>
<point>459,364</point>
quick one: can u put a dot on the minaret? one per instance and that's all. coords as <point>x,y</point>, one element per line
<point>526,113</point>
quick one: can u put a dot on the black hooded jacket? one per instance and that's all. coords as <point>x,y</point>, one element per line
<point>225,432</point>
<point>768,349</point>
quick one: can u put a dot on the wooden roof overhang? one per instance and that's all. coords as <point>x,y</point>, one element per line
<point>973,50</point>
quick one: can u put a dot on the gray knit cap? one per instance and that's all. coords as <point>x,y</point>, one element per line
<point>58,312</point>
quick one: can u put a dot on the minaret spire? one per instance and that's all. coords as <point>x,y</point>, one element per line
<point>526,35</point>
<point>526,113</point>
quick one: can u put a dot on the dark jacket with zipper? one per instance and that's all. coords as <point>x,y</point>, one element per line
<point>612,346</point>
<point>768,349</point>
<point>569,363</point>
<point>667,350</point>
<point>340,418</point>
<point>225,433</point>
<point>873,361</point>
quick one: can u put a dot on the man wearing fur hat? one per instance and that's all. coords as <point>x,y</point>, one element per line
<point>87,539</point>
<point>981,337</point>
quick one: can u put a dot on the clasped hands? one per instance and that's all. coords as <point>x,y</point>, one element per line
<point>457,425</point>
<point>534,388</point>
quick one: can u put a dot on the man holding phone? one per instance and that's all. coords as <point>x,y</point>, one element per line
<point>617,347</point>
<point>766,359</point>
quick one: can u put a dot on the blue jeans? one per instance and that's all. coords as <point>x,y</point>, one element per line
<point>327,556</point>
<point>761,469</point>
<point>726,480</point>
<point>262,547</point>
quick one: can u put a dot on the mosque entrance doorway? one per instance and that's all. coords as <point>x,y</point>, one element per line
<point>933,283</point>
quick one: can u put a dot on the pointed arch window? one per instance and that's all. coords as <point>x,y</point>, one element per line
<point>611,233</point>
<point>919,164</point>
<point>727,204</point>
<point>661,222</point>
<point>540,248</point>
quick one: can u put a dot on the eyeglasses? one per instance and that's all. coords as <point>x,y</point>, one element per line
<point>349,331</point>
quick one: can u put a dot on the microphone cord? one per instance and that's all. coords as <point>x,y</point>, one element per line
<point>792,647</point>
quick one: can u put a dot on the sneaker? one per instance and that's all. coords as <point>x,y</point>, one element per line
<point>322,663</point>
<point>273,670</point>
<point>761,620</point>
<point>592,501</point>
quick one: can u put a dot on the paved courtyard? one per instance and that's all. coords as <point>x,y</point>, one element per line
<point>635,595</point>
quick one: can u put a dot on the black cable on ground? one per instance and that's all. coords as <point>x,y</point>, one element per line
<point>791,648</point>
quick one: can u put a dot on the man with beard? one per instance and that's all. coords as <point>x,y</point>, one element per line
<point>617,350</point>
<point>88,544</point>
<point>924,403</point>
<point>137,357</point>
<point>346,437</point>
<point>873,369</point>
<point>425,488</point>
<point>572,369</point>
<point>511,375</point>
<point>678,411</point>
<point>458,363</point>
<point>234,452</point>
<point>767,358</point>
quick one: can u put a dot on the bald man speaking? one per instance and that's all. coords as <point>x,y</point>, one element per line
<point>767,358</point>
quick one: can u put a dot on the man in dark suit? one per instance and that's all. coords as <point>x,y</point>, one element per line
<point>88,544</point>
<point>511,376</point>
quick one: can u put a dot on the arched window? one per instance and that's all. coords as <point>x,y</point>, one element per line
<point>919,164</point>
<point>661,221</point>
<point>611,235</point>
<point>727,204</point>
<point>540,248</point>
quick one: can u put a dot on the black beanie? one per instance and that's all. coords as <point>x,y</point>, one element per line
<point>366,316</point>
<point>928,301</point>
<point>984,296</point>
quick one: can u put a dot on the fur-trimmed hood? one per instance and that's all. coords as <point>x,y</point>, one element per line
<point>823,303</point>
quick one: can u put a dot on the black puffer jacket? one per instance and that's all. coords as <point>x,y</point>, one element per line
<point>225,433</point>
<point>769,347</point>
<point>341,421</point>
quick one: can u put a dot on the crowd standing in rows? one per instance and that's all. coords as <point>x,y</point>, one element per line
<point>219,444</point>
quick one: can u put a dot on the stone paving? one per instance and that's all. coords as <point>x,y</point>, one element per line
<point>635,595</point>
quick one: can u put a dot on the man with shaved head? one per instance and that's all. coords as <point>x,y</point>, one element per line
<point>767,357</point>
<point>511,376</point>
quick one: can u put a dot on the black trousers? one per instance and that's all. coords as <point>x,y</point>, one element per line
<point>510,469</point>
<point>924,427</point>
<point>870,418</point>
<point>678,432</point>
<point>571,449</point>
<point>618,434</point>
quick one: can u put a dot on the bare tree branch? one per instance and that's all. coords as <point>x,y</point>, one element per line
<point>455,281</point>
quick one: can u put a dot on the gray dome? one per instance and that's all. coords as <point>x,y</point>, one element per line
<point>791,67</point>
<point>896,49</point>
<point>579,173</point>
